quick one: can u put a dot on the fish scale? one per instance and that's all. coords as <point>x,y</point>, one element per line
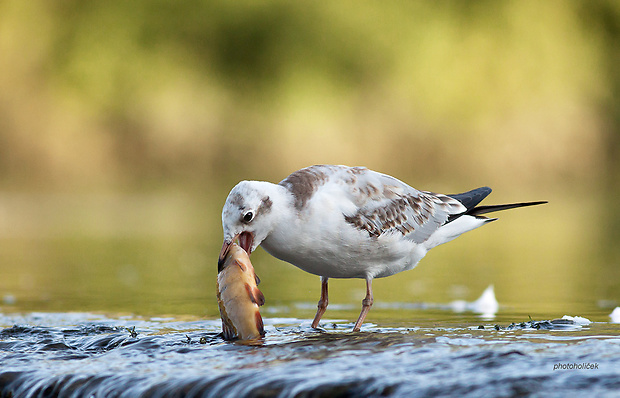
<point>238,297</point>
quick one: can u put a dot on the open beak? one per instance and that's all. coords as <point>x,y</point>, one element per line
<point>245,239</point>
<point>223,253</point>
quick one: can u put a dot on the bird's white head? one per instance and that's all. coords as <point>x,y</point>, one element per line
<point>248,215</point>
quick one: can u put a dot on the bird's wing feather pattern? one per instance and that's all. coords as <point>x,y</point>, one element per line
<point>383,205</point>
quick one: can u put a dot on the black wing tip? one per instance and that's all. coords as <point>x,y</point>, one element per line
<point>470,199</point>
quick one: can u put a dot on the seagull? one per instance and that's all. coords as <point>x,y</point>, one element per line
<point>348,222</point>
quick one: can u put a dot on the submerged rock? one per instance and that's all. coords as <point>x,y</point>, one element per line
<point>555,324</point>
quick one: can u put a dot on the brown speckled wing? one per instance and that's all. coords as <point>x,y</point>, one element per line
<point>387,205</point>
<point>381,204</point>
<point>305,182</point>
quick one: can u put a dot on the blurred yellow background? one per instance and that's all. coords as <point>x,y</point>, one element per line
<point>124,124</point>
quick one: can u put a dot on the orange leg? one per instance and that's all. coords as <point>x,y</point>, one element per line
<point>322,306</point>
<point>366,304</point>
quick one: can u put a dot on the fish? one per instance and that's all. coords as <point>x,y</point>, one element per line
<point>238,297</point>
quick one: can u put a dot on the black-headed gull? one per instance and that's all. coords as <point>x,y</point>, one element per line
<point>348,222</point>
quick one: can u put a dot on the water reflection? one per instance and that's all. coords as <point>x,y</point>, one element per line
<point>156,256</point>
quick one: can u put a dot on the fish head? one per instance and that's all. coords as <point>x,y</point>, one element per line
<point>246,216</point>
<point>236,256</point>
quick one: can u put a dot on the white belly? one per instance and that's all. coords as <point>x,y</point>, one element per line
<point>344,254</point>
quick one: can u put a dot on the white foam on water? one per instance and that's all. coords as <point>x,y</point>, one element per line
<point>486,305</point>
<point>615,315</point>
<point>579,320</point>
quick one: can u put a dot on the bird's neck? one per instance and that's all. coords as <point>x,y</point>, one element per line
<point>281,201</point>
<point>283,211</point>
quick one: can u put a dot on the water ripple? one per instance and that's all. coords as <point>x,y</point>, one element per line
<point>87,355</point>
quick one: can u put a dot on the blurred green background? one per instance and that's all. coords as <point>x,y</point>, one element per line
<point>123,125</point>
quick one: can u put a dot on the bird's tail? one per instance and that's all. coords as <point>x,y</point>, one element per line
<point>451,230</point>
<point>478,210</point>
<point>471,199</point>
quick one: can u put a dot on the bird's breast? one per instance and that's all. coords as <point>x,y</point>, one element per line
<point>341,254</point>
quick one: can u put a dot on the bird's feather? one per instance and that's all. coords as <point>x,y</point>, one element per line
<point>376,203</point>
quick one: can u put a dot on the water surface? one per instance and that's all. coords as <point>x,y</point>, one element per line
<point>85,354</point>
<point>115,296</point>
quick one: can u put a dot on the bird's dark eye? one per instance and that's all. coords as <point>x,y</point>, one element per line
<point>248,216</point>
